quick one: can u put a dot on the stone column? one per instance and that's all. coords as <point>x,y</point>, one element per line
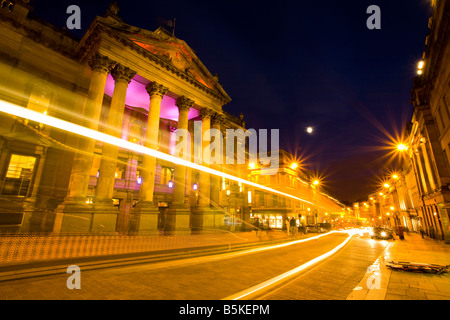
<point>147,210</point>
<point>428,167</point>
<point>425,186</point>
<point>203,215</point>
<point>103,203</point>
<point>216,180</point>
<point>178,215</point>
<point>126,205</point>
<point>75,202</point>
<point>204,178</point>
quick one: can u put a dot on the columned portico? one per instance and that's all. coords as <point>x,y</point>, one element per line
<point>147,210</point>
<point>75,202</point>
<point>93,186</point>
<point>178,216</point>
<point>104,210</point>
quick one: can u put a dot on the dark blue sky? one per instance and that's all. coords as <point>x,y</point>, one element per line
<point>292,64</point>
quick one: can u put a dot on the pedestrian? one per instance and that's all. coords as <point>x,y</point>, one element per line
<point>431,232</point>
<point>288,225</point>
<point>256,225</point>
<point>293,225</point>
<point>421,231</point>
<point>400,232</point>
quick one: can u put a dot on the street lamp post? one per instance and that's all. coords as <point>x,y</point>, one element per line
<point>316,183</point>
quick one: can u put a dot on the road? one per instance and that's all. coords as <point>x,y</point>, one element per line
<point>218,276</point>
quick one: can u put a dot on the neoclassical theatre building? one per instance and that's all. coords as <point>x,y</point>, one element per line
<point>131,83</point>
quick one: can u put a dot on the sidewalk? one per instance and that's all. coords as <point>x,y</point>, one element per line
<point>407,285</point>
<point>16,250</point>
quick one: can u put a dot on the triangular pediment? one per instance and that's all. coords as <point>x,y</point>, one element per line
<point>169,49</point>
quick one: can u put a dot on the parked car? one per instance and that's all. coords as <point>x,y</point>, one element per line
<point>319,227</point>
<point>311,228</point>
<point>324,227</point>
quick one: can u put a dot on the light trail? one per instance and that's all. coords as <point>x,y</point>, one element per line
<point>290,273</point>
<point>14,110</point>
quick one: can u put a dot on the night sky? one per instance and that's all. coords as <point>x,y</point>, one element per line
<point>292,64</point>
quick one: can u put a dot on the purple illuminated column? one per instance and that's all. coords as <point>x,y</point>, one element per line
<point>183,104</point>
<point>216,122</point>
<point>79,179</point>
<point>156,92</point>
<point>204,187</point>
<point>75,201</point>
<point>105,185</point>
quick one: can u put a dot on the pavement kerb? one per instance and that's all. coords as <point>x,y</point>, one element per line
<point>412,249</point>
<point>374,284</point>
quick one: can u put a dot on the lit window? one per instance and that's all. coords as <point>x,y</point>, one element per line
<point>39,101</point>
<point>166,175</point>
<point>18,176</point>
<point>120,171</point>
<point>172,142</point>
<point>134,131</point>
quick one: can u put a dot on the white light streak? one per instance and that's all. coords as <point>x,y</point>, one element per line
<point>21,112</point>
<point>289,273</point>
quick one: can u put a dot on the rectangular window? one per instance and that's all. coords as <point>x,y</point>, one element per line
<point>18,176</point>
<point>446,105</point>
<point>438,119</point>
<point>444,115</point>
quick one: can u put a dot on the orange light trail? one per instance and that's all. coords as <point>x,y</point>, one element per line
<point>21,112</point>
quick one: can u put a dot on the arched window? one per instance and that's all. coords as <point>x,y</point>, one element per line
<point>39,101</point>
<point>135,131</point>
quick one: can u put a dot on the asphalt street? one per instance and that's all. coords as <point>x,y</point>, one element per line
<point>215,277</point>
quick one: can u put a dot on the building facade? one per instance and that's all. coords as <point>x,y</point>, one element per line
<point>145,87</point>
<point>138,85</point>
<point>274,210</point>
<point>428,133</point>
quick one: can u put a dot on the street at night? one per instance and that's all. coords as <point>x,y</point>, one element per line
<point>219,276</point>
<point>220,159</point>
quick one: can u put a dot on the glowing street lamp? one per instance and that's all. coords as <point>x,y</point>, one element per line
<point>316,182</point>
<point>402,147</point>
<point>386,185</point>
<point>420,67</point>
<point>294,165</point>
